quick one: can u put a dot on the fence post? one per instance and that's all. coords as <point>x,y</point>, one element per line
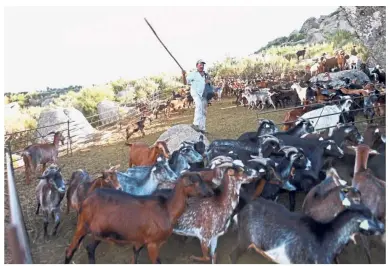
<point>18,238</point>
<point>69,139</point>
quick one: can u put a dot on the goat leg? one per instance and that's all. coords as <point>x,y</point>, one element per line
<point>153,251</point>
<point>236,253</point>
<point>366,247</point>
<point>78,236</point>
<point>91,247</point>
<point>38,206</point>
<point>291,196</point>
<point>56,217</point>
<point>136,250</point>
<point>205,251</point>
<point>68,202</point>
<point>45,223</point>
<point>213,247</point>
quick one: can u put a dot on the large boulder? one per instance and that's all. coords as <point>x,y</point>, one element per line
<point>315,36</point>
<point>56,120</point>
<point>179,133</point>
<point>47,102</point>
<point>108,111</point>
<point>338,78</point>
<point>370,25</point>
<point>310,23</point>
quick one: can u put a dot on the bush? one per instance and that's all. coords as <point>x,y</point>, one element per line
<point>22,120</point>
<point>88,98</point>
<point>340,38</point>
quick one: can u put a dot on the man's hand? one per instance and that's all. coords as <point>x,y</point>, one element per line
<point>207,81</point>
<point>183,72</point>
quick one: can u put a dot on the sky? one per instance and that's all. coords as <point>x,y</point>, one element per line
<point>63,46</point>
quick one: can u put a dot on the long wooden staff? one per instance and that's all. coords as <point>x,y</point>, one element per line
<point>163,44</point>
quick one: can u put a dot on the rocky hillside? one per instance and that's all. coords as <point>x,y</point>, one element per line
<point>366,24</point>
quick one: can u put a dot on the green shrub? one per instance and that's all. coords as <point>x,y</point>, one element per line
<point>88,98</point>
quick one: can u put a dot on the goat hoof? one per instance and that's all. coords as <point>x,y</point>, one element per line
<point>194,258</point>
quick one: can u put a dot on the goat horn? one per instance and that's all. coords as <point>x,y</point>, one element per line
<point>288,149</point>
<point>271,138</point>
<point>225,164</point>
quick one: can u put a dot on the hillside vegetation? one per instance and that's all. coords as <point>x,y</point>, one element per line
<point>274,60</point>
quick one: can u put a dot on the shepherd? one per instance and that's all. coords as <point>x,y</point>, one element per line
<point>201,91</point>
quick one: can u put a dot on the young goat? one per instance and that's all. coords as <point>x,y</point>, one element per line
<point>280,235</point>
<point>49,194</point>
<point>110,215</point>
<point>143,155</point>
<point>208,218</point>
<point>137,126</point>
<point>36,154</point>
<point>82,185</point>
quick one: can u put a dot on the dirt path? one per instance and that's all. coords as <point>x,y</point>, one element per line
<point>223,122</point>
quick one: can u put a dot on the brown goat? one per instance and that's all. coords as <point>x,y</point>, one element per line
<point>323,202</point>
<point>119,217</point>
<point>177,104</point>
<point>42,153</point>
<point>81,185</point>
<point>142,155</point>
<point>329,198</point>
<point>373,189</point>
<point>291,116</point>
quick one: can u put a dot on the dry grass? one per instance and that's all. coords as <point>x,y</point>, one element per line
<point>224,121</point>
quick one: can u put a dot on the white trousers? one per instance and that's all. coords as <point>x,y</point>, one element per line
<point>200,111</point>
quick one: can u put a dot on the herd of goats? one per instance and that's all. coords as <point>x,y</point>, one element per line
<point>200,191</point>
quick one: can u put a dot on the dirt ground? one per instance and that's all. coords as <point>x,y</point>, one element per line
<point>224,120</point>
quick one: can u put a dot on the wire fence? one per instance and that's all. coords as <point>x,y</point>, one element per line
<point>76,133</point>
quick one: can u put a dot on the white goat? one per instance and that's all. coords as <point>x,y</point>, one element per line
<point>354,62</point>
<point>327,119</point>
<point>301,91</point>
<point>314,69</point>
<point>259,96</point>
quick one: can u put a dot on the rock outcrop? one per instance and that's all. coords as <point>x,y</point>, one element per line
<point>108,111</point>
<point>366,23</point>
<point>370,25</point>
<point>56,120</point>
<point>179,133</point>
<point>338,78</point>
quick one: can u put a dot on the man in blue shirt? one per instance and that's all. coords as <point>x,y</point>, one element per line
<point>198,80</point>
